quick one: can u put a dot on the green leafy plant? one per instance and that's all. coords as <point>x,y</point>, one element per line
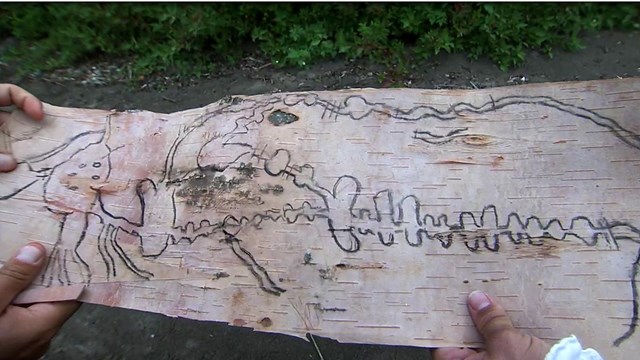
<point>191,37</point>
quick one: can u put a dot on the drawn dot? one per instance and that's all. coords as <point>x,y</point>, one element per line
<point>95,177</point>
<point>82,166</point>
<point>72,174</point>
<point>97,164</point>
<point>485,280</point>
<point>466,281</point>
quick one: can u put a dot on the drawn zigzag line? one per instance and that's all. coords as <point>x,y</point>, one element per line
<point>487,227</point>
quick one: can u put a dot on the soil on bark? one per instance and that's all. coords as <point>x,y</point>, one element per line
<point>109,333</point>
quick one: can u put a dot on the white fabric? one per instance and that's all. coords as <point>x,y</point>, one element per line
<point>569,348</point>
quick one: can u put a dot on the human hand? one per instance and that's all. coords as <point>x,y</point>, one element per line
<point>25,332</point>
<point>502,340</point>
<point>13,95</point>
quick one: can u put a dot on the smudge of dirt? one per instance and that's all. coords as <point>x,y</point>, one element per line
<point>208,189</point>
<point>237,298</point>
<point>307,258</point>
<point>343,266</point>
<point>497,160</point>
<point>544,248</point>
<point>247,170</point>
<point>279,118</point>
<point>476,140</point>
<point>231,100</point>
<point>239,322</point>
<point>273,189</point>
<point>328,309</point>
<point>199,190</point>
<point>220,275</point>
<point>265,322</point>
<point>326,273</point>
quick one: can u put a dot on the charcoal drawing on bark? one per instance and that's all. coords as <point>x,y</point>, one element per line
<point>238,166</point>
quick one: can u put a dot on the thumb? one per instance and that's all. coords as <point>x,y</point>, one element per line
<point>489,317</point>
<point>19,272</point>
<point>7,162</point>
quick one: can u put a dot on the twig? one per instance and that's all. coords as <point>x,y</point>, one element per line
<point>263,66</point>
<point>52,81</point>
<point>315,345</point>
<point>450,86</point>
<point>169,99</point>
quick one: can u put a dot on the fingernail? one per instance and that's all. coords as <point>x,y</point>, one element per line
<point>478,300</point>
<point>7,161</point>
<point>29,254</point>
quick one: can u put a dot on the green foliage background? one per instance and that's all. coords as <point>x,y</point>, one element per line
<point>190,37</point>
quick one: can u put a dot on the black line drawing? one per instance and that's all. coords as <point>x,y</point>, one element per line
<point>390,222</point>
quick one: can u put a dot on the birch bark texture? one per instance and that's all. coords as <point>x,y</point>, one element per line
<point>361,215</point>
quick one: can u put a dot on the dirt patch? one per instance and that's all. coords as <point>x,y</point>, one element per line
<point>110,333</point>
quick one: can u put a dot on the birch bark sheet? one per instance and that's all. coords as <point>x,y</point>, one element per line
<point>361,215</point>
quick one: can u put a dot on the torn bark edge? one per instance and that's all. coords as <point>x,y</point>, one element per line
<point>51,294</point>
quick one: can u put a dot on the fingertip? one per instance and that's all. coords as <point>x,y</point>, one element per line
<point>452,353</point>
<point>7,162</point>
<point>34,108</point>
<point>17,274</point>
<point>31,253</point>
<point>38,245</point>
<point>478,300</point>
<point>490,318</point>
